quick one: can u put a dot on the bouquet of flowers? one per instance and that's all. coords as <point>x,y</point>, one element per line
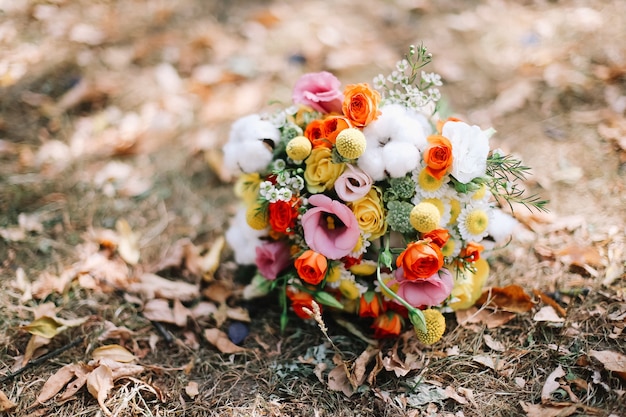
<point>365,200</point>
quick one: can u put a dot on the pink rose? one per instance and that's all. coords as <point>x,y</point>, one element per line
<point>320,91</point>
<point>330,228</point>
<point>353,184</point>
<point>271,258</point>
<point>425,292</point>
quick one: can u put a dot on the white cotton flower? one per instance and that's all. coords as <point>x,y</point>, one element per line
<point>250,143</point>
<point>470,147</point>
<point>243,239</point>
<point>501,226</point>
<point>393,143</point>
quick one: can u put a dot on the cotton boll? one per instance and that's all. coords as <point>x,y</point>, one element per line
<point>251,128</point>
<point>427,128</point>
<point>501,226</point>
<point>254,156</point>
<point>410,131</point>
<point>372,163</point>
<point>400,158</point>
<point>243,239</point>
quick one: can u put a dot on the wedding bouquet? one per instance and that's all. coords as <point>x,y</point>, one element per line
<point>365,200</point>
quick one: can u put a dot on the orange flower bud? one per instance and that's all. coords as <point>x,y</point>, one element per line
<point>311,267</point>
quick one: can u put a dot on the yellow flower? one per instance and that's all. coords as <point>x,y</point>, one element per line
<point>428,182</point>
<point>455,210</point>
<point>435,327</point>
<point>468,285</point>
<point>247,187</point>
<point>256,217</point>
<point>425,217</point>
<point>334,274</point>
<point>349,289</point>
<point>321,172</point>
<point>370,214</point>
<point>350,143</point>
<point>364,268</point>
<point>299,148</point>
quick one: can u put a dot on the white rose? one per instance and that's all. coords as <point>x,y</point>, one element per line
<point>470,147</point>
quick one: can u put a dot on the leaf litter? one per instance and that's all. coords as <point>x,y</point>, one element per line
<point>111,153</point>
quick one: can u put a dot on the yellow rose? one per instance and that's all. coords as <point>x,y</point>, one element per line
<point>321,172</point>
<point>369,213</point>
<point>468,286</point>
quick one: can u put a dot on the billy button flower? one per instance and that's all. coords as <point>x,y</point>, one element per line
<point>299,148</point>
<point>425,217</point>
<point>350,143</point>
<point>435,327</point>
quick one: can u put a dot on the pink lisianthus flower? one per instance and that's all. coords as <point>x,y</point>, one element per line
<point>353,184</point>
<point>425,292</point>
<point>320,91</point>
<point>271,258</point>
<point>330,227</point>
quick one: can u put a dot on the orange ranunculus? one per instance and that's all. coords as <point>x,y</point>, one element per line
<point>420,260</point>
<point>387,325</point>
<point>311,267</point>
<point>360,104</point>
<point>438,156</point>
<point>438,236</point>
<point>471,252</point>
<point>440,123</point>
<point>317,135</point>
<point>370,305</point>
<point>282,216</point>
<point>299,301</point>
<point>333,125</point>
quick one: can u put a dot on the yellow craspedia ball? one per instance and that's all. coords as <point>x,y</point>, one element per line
<point>256,217</point>
<point>299,148</point>
<point>435,327</point>
<point>350,143</point>
<point>425,217</point>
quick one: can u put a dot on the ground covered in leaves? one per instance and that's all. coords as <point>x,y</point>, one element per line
<point>119,295</point>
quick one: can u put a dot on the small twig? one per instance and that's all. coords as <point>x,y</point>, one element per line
<point>42,359</point>
<point>163,332</point>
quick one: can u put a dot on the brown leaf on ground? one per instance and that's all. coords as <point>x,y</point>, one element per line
<point>511,298</point>
<point>546,299</point>
<point>218,291</point>
<point>114,352</point>
<point>153,286</point>
<point>359,369</point>
<point>99,384</point>
<point>59,380</point>
<point>579,255</point>
<point>612,361</point>
<point>128,246</point>
<point>6,405</point>
<point>159,310</point>
<point>492,319</point>
<point>338,380</point>
<point>547,313</point>
<point>220,340</point>
<point>192,389</point>
<point>111,331</point>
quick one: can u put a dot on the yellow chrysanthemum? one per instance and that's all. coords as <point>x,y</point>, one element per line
<point>350,143</point>
<point>480,193</point>
<point>299,148</point>
<point>427,182</point>
<point>455,210</point>
<point>448,248</point>
<point>435,327</point>
<point>256,217</point>
<point>425,217</point>
<point>349,289</point>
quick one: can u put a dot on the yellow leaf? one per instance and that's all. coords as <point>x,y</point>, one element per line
<point>128,246</point>
<point>46,326</point>
<point>211,261</point>
<point>115,352</point>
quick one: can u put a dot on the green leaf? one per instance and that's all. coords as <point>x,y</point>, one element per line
<point>327,299</point>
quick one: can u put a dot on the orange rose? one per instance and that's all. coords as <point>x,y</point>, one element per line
<point>299,301</point>
<point>370,305</point>
<point>438,156</point>
<point>438,236</point>
<point>333,125</point>
<point>311,267</point>
<point>440,123</point>
<point>387,325</point>
<point>360,104</point>
<point>317,135</point>
<point>420,260</point>
<point>471,252</point>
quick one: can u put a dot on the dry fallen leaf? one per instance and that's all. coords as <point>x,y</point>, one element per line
<point>220,340</point>
<point>359,368</point>
<point>99,384</point>
<point>493,344</point>
<point>192,389</point>
<point>492,319</point>
<point>6,405</point>
<point>59,380</point>
<point>46,327</point>
<point>152,286</point>
<point>511,298</point>
<point>612,361</point>
<point>547,313</point>
<point>546,299</point>
<point>338,380</point>
<point>114,352</point>
<point>211,261</point>
<point>128,246</point>
<point>551,384</point>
